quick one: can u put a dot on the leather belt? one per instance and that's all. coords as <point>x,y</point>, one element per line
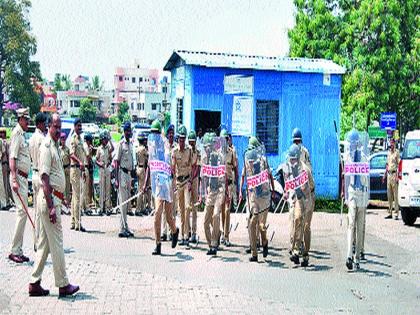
<point>35,170</point>
<point>58,194</point>
<point>66,166</point>
<point>182,178</point>
<point>392,172</point>
<point>125,170</point>
<point>230,181</point>
<point>22,173</point>
<point>75,165</point>
<point>140,165</point>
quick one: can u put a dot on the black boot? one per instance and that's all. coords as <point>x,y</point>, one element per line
<point>295,259</point>
<point>175,238</point>
<point>253,259</point>
<point>265,250</point>
<point>157,249</point>
<point>349,263</point>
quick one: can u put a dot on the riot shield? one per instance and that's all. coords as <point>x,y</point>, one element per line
<point>356,169</point>
<point>257,172</point>
<point>213,165</point>
<point>296,179</point>
<point>160,167</point>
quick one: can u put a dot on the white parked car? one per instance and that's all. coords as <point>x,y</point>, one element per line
<point>409,176</point>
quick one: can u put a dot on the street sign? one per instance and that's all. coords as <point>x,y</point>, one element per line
<point>376,132</point>
<point>389,121</point>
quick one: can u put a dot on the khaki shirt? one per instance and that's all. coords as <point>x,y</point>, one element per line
<point>50,163</point>
<point>309,187</point>
<point>196,158</point>
<point>103,155</point>
<point>76,148</point>
<point>34,147</point>
<point>231,162</point>
<point>393,159</point>
<point>142,156</point>
<point>5,151</point>
<point>304,156</point>
<point>19,149</point>
<point>65,155</point>
<point>182,161</point>
<point>88,153</point>
<point>124,155</point>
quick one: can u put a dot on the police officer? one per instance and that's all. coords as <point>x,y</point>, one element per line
<point>232,178</point>
<point>20,164</point>
<point>49,208</point>
<point>160,187</point>
<point>259,201</point>
<point>103,161</point>
<point>77,174</point>
<point>357,198</point>
<point>181,167</point>
<point>300,199</point>
<point>6,167</point>
<point>142,160</point>
<point>65,158</point>
<point>88,183</point>
<point>34,147</point>
<point>391,175</point>
<point>195,179</point>
<point>124,167</point>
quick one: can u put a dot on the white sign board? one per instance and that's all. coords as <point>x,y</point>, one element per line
<point>238,84</point>
<point>327,79</point>
<point>242,115</point>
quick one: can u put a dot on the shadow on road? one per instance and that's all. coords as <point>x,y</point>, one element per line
<point>275,264</point>
<point>69,250</point>
<point>181,257</point>
<point>94,232</point>
<point>80,296</point>
<point>374,273</point>
<point>312,268</point>
<point>319,255</point>
<point>373,262</point>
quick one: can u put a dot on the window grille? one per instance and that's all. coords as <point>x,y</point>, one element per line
<point>268,124</point>
<point>179,111</point>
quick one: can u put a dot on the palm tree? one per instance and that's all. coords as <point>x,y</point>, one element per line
<point>96,84</point>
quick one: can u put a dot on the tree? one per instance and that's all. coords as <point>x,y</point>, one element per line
<point>376,41</point>
<point>122,112</point>
<point>87,112</point>
<point>17,45</point>
<point>66,82</point>
<point>96,84</point>
<point>58,86</point>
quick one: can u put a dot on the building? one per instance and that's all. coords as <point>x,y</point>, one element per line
<point>263,96</point>
<point>68,102</point>
<point>142,90</point>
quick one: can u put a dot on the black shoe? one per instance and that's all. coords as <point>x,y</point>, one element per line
<point>123,234</point>
<point>212,251</point>
<point>193,239</point>
<point>130,213</point>
<point>181,242</point>
<point>362,256</point>
<point>295,259</point>
<point>130,234</point>
<point>72,227</point>
<point>304,263</point>
<point>265,250</point>
<point>81,229</point>
<point>164,237</point>
<point>248,250</point>
<point>253,259</point>
<point>389,216</point>
<point>157,249</point>
<point>349,263</point>
<point>175,238</point>
<point>357,265</point>
<point>108,213</point>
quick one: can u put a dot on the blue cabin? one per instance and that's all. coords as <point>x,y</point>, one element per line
<point>266,97</point>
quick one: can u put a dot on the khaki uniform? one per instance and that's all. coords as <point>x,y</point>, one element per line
<point>19,151</point>
<point>87,200</point>
<point>142,160</point>
<point>196,162</point>
<point>34,147</point>
<point>393,159</point>
<point>51,235</point>
<point>302,213</point>
<point>213,206</point>
<point>65,158</point>
<point>174,203</point>
<point>103,155</point>
<point>6,171</point>
<point>76,148</point>
<point>124,156</point>
<point>231,165</point>
<point>3,196</point>
<point>182,163</point>
<point>258,209</point>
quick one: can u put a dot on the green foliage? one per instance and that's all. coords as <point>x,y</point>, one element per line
<point>17,46</point>
<point>378,42</point>
<point>62,82</point>
<point>122,113</point>
<point>87,111</point>
<point>96,84</point>
<point>329,205</point>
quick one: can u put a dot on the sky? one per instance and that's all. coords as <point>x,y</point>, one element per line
<point>91,37</point>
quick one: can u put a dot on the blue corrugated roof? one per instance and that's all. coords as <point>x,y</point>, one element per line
<point>239,61</point>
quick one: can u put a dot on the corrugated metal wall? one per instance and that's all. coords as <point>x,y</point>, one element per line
<point>304,101</point>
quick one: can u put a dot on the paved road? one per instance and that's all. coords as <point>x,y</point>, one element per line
<point>118,275</point>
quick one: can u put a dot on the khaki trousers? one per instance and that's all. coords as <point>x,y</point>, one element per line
<point>3,196</point>
<point>257,220</point>
<point>6,182</point>
<point>21,216</point>
<point>36,185</point>
<point>142,198</point>
<point>67,192</point>
<point>303,211</point>
<point>392,192</point>
<point>355,229</point>
<point>123,194</point>
<point>76,200</point>
<point>174,205</point>
<point>104,189</point>
<point>184,211</point>
<point>160,206</point>
<point>226,211</point>
<point>50,241</point>
<point>213,207</point>
<point>193,205</point>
